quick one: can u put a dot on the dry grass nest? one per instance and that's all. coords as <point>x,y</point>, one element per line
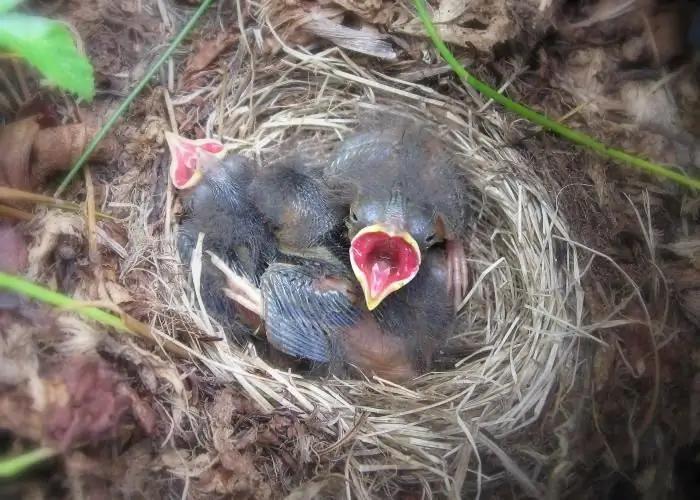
<point>521,323</point>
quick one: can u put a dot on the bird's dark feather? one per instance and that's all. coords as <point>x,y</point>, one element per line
<point>301,318</point>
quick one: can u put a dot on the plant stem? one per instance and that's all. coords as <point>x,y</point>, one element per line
<point>123,323</point>
<point>12,466</point>
<point>539,119</point>
<point>130,98</point>
<point>37,292</point>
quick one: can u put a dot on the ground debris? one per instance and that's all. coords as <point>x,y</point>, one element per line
<point>84,402</point>
<point>206,51</point>
<point>31,154</point>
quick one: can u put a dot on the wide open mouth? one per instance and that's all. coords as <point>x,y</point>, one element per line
<point>383,262</point>
<point>184,164</point>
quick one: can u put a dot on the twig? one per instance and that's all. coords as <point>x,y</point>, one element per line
<point>11,194</point>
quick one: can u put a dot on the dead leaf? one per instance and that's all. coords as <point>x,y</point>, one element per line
<point>117,293</point>
<point>237,476</point>
<point>16,140</point>
<point>208,50</point>
<point>17,415</point>
<point>227,402</point>
<point>377,12</point>
<point>480,24</point>
<point>42,109</point>
<point>603,364</point>
<point>311,490</point>
<point>31,154</point>
<point>13,250</point>
<point>84,401</point>
<point>142,411</point>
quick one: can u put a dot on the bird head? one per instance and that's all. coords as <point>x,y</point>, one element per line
<point>185,168</point>
<point>389,234</point>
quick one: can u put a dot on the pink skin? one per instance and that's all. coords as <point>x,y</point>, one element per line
<point>384,261</point>
<point>184,165</point>
<point>457,279</point>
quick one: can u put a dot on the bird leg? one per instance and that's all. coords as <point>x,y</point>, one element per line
<point>457,278</point>
<point>240,289</point>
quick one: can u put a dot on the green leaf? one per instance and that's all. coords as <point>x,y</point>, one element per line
<point>50,48</point>
<point>8,5</point>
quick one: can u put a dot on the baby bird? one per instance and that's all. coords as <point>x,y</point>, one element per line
<point>408,197</point>
<point>368,258</point>
<point>217,204</point>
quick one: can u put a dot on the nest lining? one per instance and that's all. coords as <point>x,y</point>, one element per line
<point>520,324</point>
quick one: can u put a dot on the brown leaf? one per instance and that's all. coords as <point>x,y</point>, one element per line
<point>85,402</point>
<point>603,364</point>
<point>208,50</point>
<point>480,24</point>
<point>313,489</point>
<point>245,439</point>
<point>227,402</point>
<point>117,293</point>
<point>16,140</point>
<point>373,11</point>
<point>18,415</point>
<point>31,154</point>
<point>42,109</point>
<point>142,411</point>
<point>237,476</point>
<point>13,250</point>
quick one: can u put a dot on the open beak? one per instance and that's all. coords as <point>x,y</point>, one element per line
<point>184,170</point>
<point>383,261</point>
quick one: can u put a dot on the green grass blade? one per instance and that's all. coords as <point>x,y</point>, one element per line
<point>539,119</point>
<point>30,290</point>
<point>13,466</point>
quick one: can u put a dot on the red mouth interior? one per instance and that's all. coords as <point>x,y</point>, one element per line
<point>384,259</point>
<point>185,157</point>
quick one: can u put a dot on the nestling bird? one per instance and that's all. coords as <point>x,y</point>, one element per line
<point>217,204</point>
<point>298,206</point>
<point>408,197</point>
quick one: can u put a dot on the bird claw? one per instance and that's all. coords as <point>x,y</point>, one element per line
<point>240,289</point>
<point>457,276</point>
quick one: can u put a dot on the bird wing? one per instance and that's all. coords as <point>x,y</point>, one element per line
<point>306,306</point>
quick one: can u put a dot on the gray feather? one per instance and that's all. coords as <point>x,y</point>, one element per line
<point>300,318</point>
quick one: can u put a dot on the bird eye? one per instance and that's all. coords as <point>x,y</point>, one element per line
<point>353,217</point>
<point>430,239</point>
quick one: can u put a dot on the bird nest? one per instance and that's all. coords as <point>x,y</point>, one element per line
<point>518,340</point>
